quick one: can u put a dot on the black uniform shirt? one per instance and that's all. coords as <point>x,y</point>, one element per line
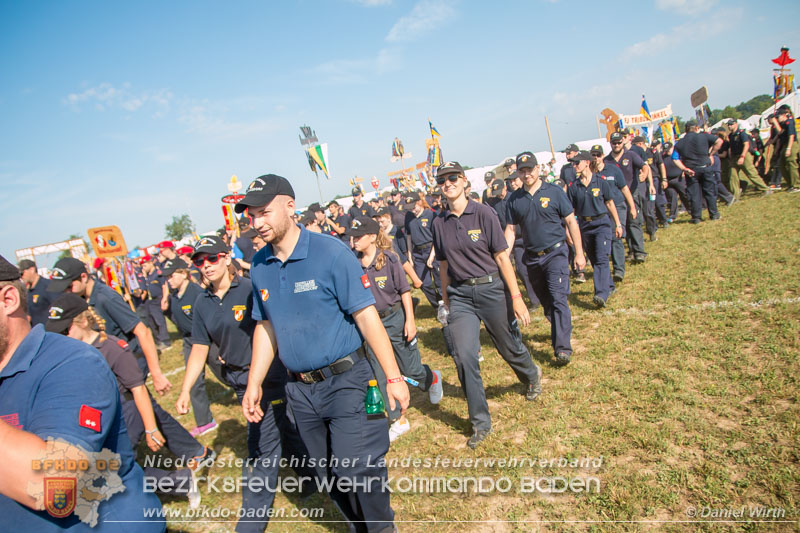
<point>226,322</point>
<point>539,215</point>
<point>182,310</point>
<point>419,228</point>
<point>388,283</point>
<point>468,242</point>
<point>693,149</point>
<point>364,211</point>
<point>630,163</point>
<point>39,301</point>
<point>120,320</point>
<point>589,200</point>
<point>122,362</point>
<point>613,175</point>
<point>736,142</point>
<point>568,173</point>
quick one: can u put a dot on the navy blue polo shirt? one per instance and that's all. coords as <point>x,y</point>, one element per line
<point>38,394</point>
<point>343,221</point>
<point>468,242</point>
<point>568,173</point>
<point>39,301</point>
<point>590,200</point>
<point>693,149</point>
<point>419,228</point>
<point>653,158</point>
<point>120,320</point>
<point>500,208</point>
<point>398,239</point>
<point>630,163</point>
<point>388,283</point>
<point>788,130</point>
<point>182,308</point>
<point>247,248</point>
<point>672,169</point>
<point>613,175</point>
<point>539,215</point>
<point>226,322</point>
<point>310,300</point>
<point>154,285</point>
<point>122,362</point>
<point>364,211</point>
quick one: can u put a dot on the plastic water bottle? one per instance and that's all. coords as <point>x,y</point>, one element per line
<point>442,313</point>
<point>374,400</point>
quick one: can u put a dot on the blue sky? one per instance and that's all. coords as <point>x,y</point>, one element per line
<point>130,113</point>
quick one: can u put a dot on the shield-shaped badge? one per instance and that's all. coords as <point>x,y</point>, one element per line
<point>545,201</point>
<point>59,495</point>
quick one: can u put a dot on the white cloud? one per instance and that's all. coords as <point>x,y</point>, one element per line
<point>695,30</point>
<point>685,7</point>
<point>424,17</point>
<point>349,71</point>
<point>220,119</point>
<point>372,3</point>
<point>107,96</point>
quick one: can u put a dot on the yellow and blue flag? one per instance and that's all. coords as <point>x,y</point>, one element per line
<point>434,131</point>
<point>645,111</point>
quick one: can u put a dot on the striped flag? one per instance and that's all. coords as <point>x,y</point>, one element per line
<point>423,178</point>
<point>319,154</point>
<point>434,131</point>
<point>397,148</point>
<point>435,156</point>
<point>645,111</point>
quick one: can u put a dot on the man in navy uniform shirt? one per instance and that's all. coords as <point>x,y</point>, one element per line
<point>568,173</point>
<point>630,163</point>
<point>359,207</point>
<point>154,285</point>
<point>540,209</point>
<point>315,309</point>
<point>341,219</point>
<point>39,402</point>
<point>740,160</point>
<point>38,298</point>
<point>693,154</point>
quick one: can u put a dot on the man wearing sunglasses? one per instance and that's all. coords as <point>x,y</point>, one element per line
<point>630,164</point>
<point>314,309</point>
<point>539,209</point>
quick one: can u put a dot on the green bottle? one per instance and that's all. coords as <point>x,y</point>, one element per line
<point>374,400</point>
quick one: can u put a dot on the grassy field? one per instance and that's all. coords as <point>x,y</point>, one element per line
<point>686,386</point>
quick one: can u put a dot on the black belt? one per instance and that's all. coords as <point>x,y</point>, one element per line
<point>481,280</point>
<point>546,251</point>
<point>589,219</point>
<point>235,368</point>
<point>422,247</point>
<point>337,367</point>
<point>389,310</point>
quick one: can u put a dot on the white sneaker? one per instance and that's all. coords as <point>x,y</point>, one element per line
<point>194,493</point>
<point>397,429</point>
<point>436,391</point>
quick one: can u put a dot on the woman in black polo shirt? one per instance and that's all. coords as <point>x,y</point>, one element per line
<point>593,202</point>
<point>389,286</point>
<point>472,250</point>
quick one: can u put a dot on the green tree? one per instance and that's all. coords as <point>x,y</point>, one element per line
<point>67,253</point>
<point>180,227</point>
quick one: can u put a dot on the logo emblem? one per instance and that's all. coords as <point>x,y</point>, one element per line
<point>238,312</point>
<point>365,281</point>
<point>545,201</point>
<point>424,222</point>
<point>35,298</point>
<point>264,295</point>
<point>55,313</point>
<point>381,281</point>
<point>58,274</point>
<point>595,192</point>
<point>474,234</point>
<point>624,162</point>
<point>59,495</point>
<point>89,417</point>
<point>524,158</point>
<point>187,310</point>
<point>122,344</point>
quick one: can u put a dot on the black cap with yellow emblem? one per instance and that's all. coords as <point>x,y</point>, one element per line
<point>526,160</point>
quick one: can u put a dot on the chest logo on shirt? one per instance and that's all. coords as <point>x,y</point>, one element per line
<point>423,222</point>
<point>595,192</point>
<point>12,419</point>
<point>35,298</point>
<point>238,312</point>
<point>89,418</point>
<point>474,234</point>
<point>187,310</point>
<point>264,295</point>
<point>365,281</point>
<point>305,286</point>
<point>381,281</point>
<point>59,495</point>
<point>624,162</point>
<point>545,201</point>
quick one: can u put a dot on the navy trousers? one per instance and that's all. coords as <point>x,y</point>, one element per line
<point>549,276</point>
<point>596,238</point>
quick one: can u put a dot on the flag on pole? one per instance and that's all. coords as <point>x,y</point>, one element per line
<point>397,148</point>
<point>434,131</point>
<point>645,111</point>
<point>319,153</point>
<point>423,178</point>
<point>435,156</point>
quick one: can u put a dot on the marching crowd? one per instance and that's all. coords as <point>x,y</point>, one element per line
<point>297,312</point>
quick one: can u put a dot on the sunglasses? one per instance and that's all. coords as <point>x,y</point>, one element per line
<point>211,259</point>
<point>452,178</point>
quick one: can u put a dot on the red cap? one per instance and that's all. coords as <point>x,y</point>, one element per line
<point>98,262</point>
<point>144,259</point>
<point>184,250</point>
<point>165,244</point>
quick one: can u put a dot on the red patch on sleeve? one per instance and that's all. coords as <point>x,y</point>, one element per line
<point>122,344</point>
<point>89,417</point>
<point>365,281</point>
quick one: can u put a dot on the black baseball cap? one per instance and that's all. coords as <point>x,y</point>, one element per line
<point>571,148</point>
<point>63,311</point>
<point>508,162</point>
<point>409,200</point>
<point>616,137</point>
<point>449,167</point>
<point>172,265</point>
<point>308,218</point>
<point>25,264</point>
<point>383,211</point>
<point>690,123</point>
<point>582,155</point>
<point>639,139</point>
<point>356,191</point>
<point>313,208</point>
<point>210,245</point>
<point>65,271</point>
<point>497,186</point>
<point>596,149</point>
<point>263,190</point>
<point>627,131</point>
<point>395,191</point>
<point>488,176</point>
<point>731,121</point>
<point>526,160</point>
<point>363,226</point>
<point>8,272</point>
<point>667,146</point>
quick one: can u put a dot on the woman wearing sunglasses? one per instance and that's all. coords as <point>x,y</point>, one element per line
<point>479,285</point>
<point>222,316</point>
<point>593,201</point>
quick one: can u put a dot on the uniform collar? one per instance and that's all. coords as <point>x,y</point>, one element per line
<point>23,356</point>
<point>468,210</point>
<point>300,249</point>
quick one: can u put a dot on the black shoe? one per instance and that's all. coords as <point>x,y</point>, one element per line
<point>695,221</point>
<point>653,237</point>
<point>639,258</point>
<point>618,278</point>
<point>716,217</point>
<point>478,437</point>
<point>562,358</point>
<point>580,278</point>
<point>599,302</point>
